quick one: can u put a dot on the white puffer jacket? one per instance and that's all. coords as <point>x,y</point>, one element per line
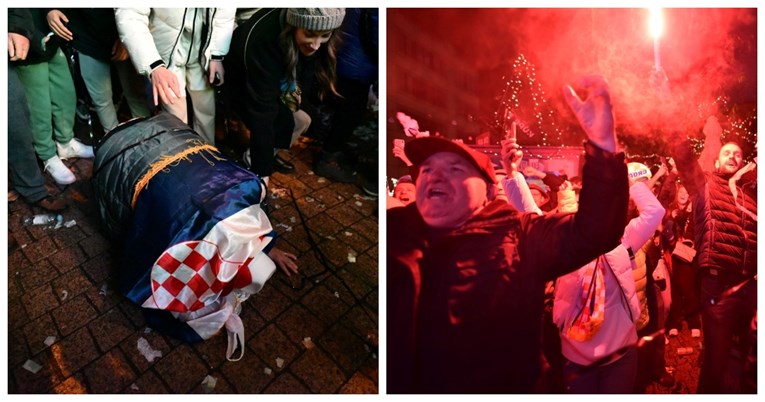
<point>619,326</point>
<point>152,34</point>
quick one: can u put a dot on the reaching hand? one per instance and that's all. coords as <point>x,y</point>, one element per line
<point>511,156</point>
<point>57,22</point>
<point>284,260</point>
<point>165,85</point>
<point>595,113</point>
<point>18,46</point>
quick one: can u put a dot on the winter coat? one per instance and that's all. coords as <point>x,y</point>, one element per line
<point>465,306</point>
<point>725,237</point>
<point>154,35</point>
<point>619,325</point>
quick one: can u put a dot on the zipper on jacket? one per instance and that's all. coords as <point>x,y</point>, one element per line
<point>177,38</point>
<point>193,31</point>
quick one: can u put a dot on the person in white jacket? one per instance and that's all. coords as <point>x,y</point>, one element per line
<point>602,358</point>
<point>181,50</point>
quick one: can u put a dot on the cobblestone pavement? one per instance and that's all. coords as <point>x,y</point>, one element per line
<point>70,332</point>
<point>684,366</point>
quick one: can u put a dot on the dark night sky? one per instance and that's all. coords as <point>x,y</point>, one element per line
<point>705,52</point>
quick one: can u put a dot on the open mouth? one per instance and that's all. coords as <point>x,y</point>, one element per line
<point>436,193</point>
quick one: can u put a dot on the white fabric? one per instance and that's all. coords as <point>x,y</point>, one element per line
<point>618,329</point>
<point>150,34</point>
<point>518,194</point>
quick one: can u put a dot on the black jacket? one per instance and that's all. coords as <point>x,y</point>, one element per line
<point>465,310</point>
<point>31,23</point>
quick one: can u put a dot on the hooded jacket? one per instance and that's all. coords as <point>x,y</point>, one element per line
<point>621,316</point>
<point>465,307</point>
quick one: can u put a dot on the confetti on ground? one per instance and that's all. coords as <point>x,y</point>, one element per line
<point>279,362</point>
<point>147,351</point>
<point>359,203</point>
<point>64,295</point>
<point>134,387</point>
<point>287,228</point>
<point>351,257</point>
<point>267,371</point>
<point>50,340</point>
<point>348,233</point>
<point>32,366</point>
<point>308,343</point>
<point>309,199</point>
<point>337,294</point>
<point>321,180</point>
<point>293,219</point>
<point>70,223</point>
<point>209,383</point>
<point>105,291</point>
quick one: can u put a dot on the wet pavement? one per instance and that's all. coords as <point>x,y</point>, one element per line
<point>69,331</point>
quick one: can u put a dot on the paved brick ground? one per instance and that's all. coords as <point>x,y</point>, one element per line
<point>60,289</point>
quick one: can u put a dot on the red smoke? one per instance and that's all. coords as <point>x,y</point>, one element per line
<point>704,52</point>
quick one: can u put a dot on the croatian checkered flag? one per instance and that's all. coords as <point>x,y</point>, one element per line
<point>193,274</point>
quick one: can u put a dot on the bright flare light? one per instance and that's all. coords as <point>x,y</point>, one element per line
<point>655,22</point>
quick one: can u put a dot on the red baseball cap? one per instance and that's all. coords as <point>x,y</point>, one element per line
<point>420,149</point>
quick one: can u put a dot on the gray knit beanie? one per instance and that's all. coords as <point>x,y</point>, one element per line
<point>316,19</point>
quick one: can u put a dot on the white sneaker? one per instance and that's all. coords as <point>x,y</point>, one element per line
<point>74,149</point>
<point>673,332</point>
<point>696,333</point>
<point>60,173</point>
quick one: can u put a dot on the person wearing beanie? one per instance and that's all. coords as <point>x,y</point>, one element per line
<point>466,272</point>
<point>276,56</point>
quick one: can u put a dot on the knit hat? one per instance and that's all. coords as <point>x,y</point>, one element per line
<point>422,148</point>
<point>316,19</point>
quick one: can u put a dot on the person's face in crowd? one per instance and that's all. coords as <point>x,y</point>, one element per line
<point>405,192</point>
<point>682,195</point>
<point>310,41</point>
<point>450,190</point>
<point>730,159</point>
<point>538,197</point>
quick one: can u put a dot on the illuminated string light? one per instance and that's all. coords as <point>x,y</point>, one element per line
<point>523,81</point>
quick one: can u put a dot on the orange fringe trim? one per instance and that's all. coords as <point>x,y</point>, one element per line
<point>166,160</point>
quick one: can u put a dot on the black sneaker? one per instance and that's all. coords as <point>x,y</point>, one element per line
<point>282,165</point>
<point>370,187</point>
<point>331,169</point>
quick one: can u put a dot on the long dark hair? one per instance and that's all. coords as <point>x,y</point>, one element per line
<point>326,62</point>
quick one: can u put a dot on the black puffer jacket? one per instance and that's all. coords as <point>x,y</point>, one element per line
<point>725,236</point>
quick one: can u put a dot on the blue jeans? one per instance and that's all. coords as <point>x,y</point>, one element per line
<point>722,320</point>
<point>614,378</point>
